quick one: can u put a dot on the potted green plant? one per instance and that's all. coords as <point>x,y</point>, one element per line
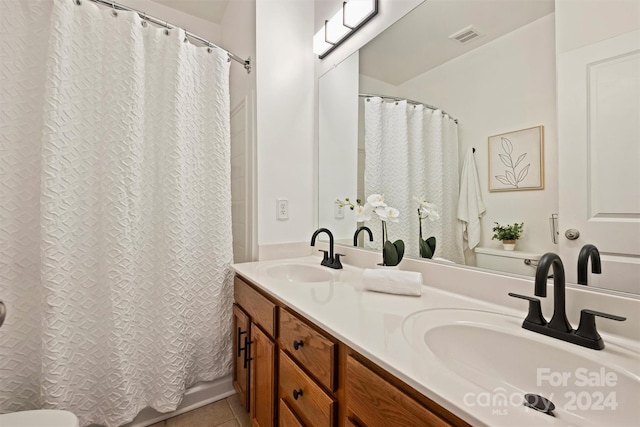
<point>508,234</point>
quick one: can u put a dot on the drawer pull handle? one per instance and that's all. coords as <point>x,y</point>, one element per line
<point>298,344</point>
<point>297,394</point>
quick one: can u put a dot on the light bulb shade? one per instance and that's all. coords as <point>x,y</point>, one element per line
<point>356,11</point>
<point>336,31</point>
<point>352,15</point>
<point>320,46</point>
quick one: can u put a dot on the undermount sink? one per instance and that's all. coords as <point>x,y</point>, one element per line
<point>300,273</point>
<point>491,351</point>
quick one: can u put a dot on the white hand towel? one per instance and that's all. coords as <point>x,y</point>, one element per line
<point>393,281</point>
<point>470,205</point>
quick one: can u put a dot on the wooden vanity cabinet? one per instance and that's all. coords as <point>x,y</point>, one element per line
<point>241,339</point>
<point>263,378</point>
<point>255,362</point>
<point>301,376</point>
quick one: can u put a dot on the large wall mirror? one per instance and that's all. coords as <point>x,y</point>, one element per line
<point>458,96</point>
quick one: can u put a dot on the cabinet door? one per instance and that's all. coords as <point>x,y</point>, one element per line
<point>241,338</point>
<point>263,378</point>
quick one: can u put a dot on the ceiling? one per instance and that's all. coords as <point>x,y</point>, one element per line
<point>420,41</point>
<point>210,10</point>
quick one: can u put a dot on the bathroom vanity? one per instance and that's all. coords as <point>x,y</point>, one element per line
<point>290,372</point>
<point>313,348</point>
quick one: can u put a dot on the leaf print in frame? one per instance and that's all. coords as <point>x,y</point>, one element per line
<point>516,160</point>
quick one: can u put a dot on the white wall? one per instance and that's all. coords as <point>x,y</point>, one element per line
<point>505,85</point>
<point>583,22</point>
<point>285,119</point>
<point>239,36</point>
<point>338,145</point>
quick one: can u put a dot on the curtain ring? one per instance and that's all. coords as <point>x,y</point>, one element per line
<point>144,19</point>
<point>209,50</point>
<point>78,2</point>
<point>113,6</point>
<point>166,30</point>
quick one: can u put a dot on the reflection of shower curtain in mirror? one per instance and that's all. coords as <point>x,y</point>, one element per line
<point>413,151</point>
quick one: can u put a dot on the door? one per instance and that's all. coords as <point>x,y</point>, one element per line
<point>263,378</point>
<point>599,151</point>
<point>241,339</point>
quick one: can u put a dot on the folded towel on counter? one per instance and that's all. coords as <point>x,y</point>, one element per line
<point>393,281</point>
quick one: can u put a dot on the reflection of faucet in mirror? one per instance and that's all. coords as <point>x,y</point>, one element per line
<point>559,327</point>
<point>363,228</point>
<point>328,260</point>
<point>588,251</point>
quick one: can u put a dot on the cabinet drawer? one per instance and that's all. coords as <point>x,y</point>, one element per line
<point>286,416</point>
<point>377,403</point>
<point>260,309</point>
<point>312,350</point>
<point>312,405</point>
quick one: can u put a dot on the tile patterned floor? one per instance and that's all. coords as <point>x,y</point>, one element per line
<point>224,413</point>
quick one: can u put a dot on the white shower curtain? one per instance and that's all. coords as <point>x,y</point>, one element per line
<point>115,212</point>
<point>412,151</point>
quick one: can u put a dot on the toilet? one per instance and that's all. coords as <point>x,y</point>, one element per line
<point>39,418</point>
<point>515,262</point>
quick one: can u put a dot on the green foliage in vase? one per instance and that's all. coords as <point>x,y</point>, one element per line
<point>507,232</point>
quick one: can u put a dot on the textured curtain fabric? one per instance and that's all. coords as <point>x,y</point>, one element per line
<point>413,151</point>
<point>115,212</point>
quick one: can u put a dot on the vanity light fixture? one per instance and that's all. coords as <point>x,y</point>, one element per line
<point>349,19</point>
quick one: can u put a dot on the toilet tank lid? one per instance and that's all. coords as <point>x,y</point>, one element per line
<point>509,254</point>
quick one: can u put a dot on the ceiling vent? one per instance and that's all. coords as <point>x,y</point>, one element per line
<point>466,35</point>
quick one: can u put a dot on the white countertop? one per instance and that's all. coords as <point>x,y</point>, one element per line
<point>373,324</point>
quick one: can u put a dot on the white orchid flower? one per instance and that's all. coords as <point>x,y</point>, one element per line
<point>362,213</point>
<point>387,213</point>
<point>427,210</point>
<point>376,200</point>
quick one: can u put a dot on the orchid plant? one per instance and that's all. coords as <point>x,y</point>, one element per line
<point>426,210</point>
<point>392,253</point>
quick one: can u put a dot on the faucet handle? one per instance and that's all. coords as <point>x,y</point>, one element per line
<point>587,327</point>
<point>535,315</point>
<point>336,261</point>
<point>325,257</point>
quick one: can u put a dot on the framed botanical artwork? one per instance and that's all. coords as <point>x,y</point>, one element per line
<point>516,160</point>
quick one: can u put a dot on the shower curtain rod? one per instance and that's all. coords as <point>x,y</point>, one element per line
<point>409,101</point>
<point>116,6</point>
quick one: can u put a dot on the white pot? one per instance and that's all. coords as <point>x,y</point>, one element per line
<point>509,245</point>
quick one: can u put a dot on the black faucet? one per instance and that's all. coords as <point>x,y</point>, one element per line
<point>363,228</point>
<point>550,260</point>
<point>588,251</point>
<point>328,260</point>
<point>559,327</point>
